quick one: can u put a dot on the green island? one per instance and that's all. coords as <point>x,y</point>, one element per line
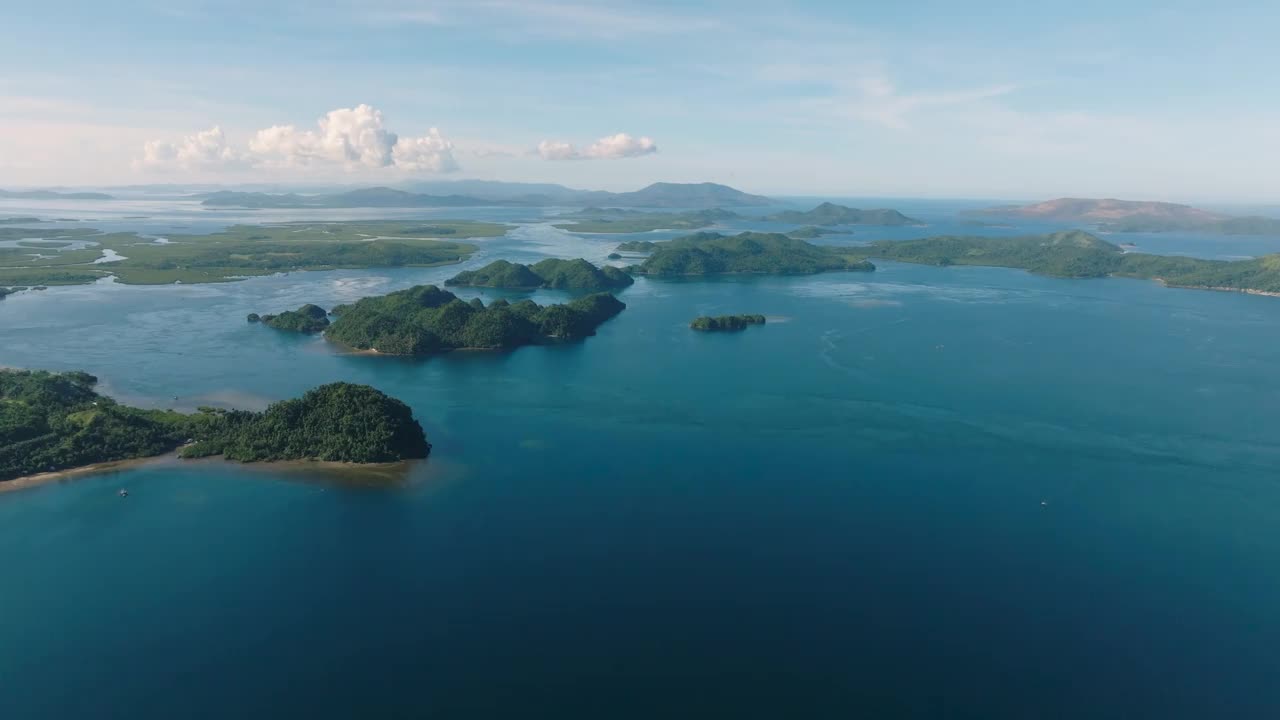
<point>749,252</point>
<point>637,246</point>
<point>726,323</point>
<point>58,421</point>
<point>833,214</point>
<point>551,273</point>
<point>1248,225</point>
<point>809,232</point>
<point>424,320</point>
<point>306,319</point>
<point>21,220</point>
<point>236,253</point>
<point>1078,254</point>
<point>619,220</point>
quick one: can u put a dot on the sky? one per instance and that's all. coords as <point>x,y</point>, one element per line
<point>1142,100</point>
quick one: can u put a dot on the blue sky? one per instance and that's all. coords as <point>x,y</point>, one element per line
<point>1148,100</point>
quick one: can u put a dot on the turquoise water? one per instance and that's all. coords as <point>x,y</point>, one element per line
<point>923,492</point>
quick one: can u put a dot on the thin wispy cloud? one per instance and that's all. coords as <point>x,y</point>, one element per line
<point>612,147</point>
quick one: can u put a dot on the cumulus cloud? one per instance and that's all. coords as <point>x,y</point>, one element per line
<point>351,138</point>
<point>621,145</point>
<point>203,150</point>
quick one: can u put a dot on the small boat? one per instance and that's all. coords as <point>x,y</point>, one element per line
<point>123,493</point>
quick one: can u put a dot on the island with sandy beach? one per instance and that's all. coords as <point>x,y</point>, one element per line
<point>56,422</point>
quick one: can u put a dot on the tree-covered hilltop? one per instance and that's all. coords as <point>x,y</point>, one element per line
<point>618,220</point>
<point>748,252</point>
<point>641,246</point>
<point>55,421</point>
<point>550,273</point>
<point>425,319</point>
<point>833,214</point>
<point>1067,254</point>
<point>306,319</point>
<point>1080,254</point>
<point>809,232</point>
<point>335,422</point>
<point>726,322</point>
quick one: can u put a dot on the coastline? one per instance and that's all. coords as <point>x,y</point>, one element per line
<point>45,478</point>
<point>1219,288</point>
<point>329,470</point>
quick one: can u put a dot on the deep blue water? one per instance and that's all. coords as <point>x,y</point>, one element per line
<point>919,493</point>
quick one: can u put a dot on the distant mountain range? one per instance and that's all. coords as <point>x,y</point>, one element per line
<point>479,193</point>
<point>52,195</point>
<point>828,214</point>
<point>1139,216</point>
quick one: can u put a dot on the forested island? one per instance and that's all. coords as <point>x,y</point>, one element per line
<point>425,319</point>
<point>237,252</point>
<point>638,246</point>
<point>551,273</point>
<point>749,252</point>
<point>619,220</point>
<point>729,323</point>
<point>306,319</point>
<point>828,214</point>
<point>1079,254</point>
<point>57,421</point>
<point>809,232</point>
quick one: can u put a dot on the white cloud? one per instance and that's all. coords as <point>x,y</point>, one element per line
<point>350,138</point>
<point>552,150</point>
<point>617,146</point>
<point>201,151</point>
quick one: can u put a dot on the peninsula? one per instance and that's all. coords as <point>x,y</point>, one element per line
<point>1078,254</point>
<point>726,323</point>
<point>423,320</point>
<point>749,252</point>
<point>551,273</point>
<point>306,319</point>
<point>58,421</point>
<point>828,214</point>
<point>618,220</point>
<point>238,252</point>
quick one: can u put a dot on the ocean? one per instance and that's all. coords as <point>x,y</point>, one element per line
<point>917,493</point>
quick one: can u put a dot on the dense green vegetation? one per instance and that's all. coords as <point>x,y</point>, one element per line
<point>748,252</point>
<point>1079,254</point>
<point>729,323</point>
<point>832,214</point>
<point>1250,225</point>
<point>639,246</point>
<point>425,319</point>
<point>618,220</point>
<point>306,319</point>
<point>809,232</point>
<point>336,422</point>
<point>239,251</point>
<point>55,421</point>
<point>550,273</point>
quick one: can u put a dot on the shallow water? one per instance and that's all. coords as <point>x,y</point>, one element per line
<point>930,492</point>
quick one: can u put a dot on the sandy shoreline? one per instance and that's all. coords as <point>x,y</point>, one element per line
<point>45,478</point>
<point>346,472</point>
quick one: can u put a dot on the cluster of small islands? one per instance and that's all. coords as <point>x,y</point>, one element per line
<point>55,421</point>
